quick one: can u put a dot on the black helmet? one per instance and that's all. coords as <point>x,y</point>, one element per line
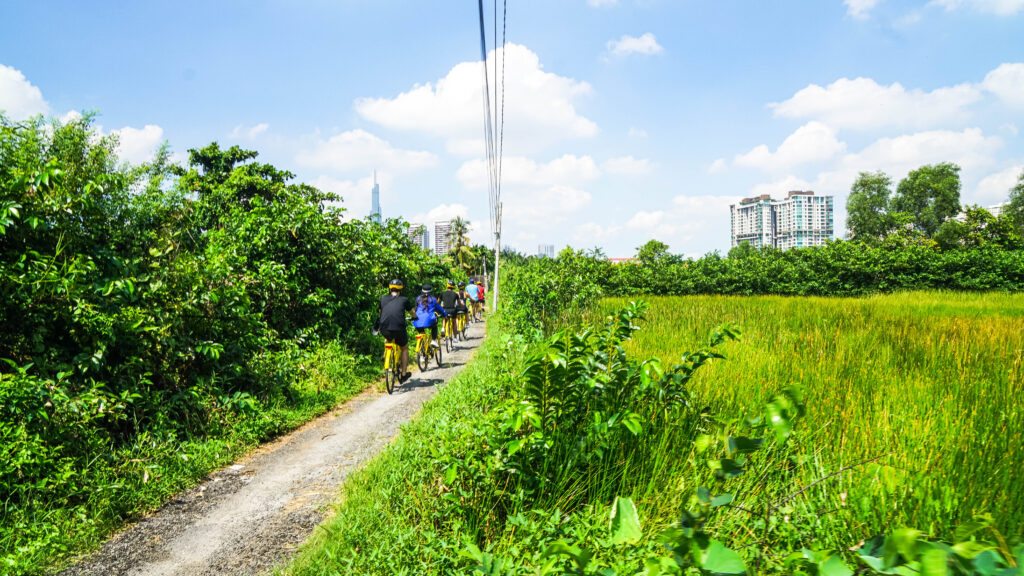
<point>462,284</point>
<point>396,284</point>
<point>427,288</point>
<point>451,284</point>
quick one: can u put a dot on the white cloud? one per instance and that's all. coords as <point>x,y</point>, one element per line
<point>544,208</point>
<point>360,150</point>
<point>602,3</point>
<point>539,109</point>
<point>637,132</point>
<point>251,133</point>
<point>628,165</point>
<point>719,166</point>
<point>519,170</point>
<point>688,220</point>
<point>1007,82</point>
<point>646,44</point>
<point>442,213</point>
<point>994,188</point>
<point>19,99</point>
<point>968,148</point>
<point>863,104</point>
<point>812,142</point>
<point>860,8</point>
<point>1000,7</point>
<point>137,145</point>
<point>592,233</point>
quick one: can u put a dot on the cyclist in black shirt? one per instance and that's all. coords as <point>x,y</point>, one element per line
<point>449,300</point>
<point>393,307</point>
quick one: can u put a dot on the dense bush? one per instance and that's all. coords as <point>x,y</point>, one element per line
<point>161,302</point>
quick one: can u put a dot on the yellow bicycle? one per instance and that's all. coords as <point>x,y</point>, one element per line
<point>449,333</point>
<point>391,375</point>
<point>426,348</point>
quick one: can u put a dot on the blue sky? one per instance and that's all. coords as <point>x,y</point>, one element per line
<point>625,119</point>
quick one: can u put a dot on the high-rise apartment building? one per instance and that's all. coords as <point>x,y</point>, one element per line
<point>800,220</point>
<point>546,250</point>
<point>419,235</point>
<point>441,241</point>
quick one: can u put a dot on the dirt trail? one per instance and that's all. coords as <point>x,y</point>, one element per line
<point>251,516</point>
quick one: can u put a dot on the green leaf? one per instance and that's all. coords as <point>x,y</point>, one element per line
<point>834,566</point>
<point>718,559</point>
<point>728,468</point>
<point>702,443</point>
<point>743,445</point>
<point>704,495</point>
<point>450,473</point>
<point>624,522</point>
<point>721,500</point>
<point>971,549</point>
<point>933,563</point>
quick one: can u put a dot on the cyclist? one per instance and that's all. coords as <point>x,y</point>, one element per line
<point>461,309</point>
<point>427,309</point>
<point>474,297</point>
<point>449,301</point>
<point>393,307</point>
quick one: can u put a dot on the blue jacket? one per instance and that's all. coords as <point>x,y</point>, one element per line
<point>425,317</point>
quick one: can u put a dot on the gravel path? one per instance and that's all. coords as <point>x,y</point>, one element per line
<point>251,516</point>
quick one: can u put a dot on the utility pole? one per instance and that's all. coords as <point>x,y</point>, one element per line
<point>497,259</point>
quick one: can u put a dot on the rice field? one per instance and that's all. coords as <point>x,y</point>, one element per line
<point>933,380</point>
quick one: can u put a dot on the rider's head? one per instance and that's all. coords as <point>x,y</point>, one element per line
<point>428,289</point>
<point>396,285</point>
<point>462,284</point>
<point>451,285</point>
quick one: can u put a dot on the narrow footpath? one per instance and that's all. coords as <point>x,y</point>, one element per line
<point>251,516</point>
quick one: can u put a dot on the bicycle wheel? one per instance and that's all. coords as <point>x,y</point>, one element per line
<point>391,375</point>
<point>438,356</point>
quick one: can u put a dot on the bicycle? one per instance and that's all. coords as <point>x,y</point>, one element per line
<point>462,319</point>
<point>477,309</point>
<point>448,334</point>
<point>426,348</point>
<point>391,375</point>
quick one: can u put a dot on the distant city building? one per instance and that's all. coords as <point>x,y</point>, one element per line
<point>997,209</point>
<point>375,200</point>
<point>798,221</point>
<point>419,235</point>
<point>546,250</point>
<point>441,241</point>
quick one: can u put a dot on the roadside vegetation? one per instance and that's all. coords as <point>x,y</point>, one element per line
<point>159,320</point>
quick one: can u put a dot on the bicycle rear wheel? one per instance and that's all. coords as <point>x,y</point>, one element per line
<point>391,375</point>
<point>437,356</point>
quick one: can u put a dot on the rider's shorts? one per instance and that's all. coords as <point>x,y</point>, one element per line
<point>399,337</point>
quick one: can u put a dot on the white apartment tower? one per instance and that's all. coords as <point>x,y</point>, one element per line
<point>798,221</point>
<point>441,241</point>
<point>546,250</point>
<point>419,235</point>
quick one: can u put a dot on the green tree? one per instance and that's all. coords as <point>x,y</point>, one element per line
<point>742,250</point>
<point>931,195</point>
<point>459,250</point>
<point>1014,210</point>
<point>867,209</point>
<point>653,252</point>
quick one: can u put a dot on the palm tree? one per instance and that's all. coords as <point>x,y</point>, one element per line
<point>458,244</point>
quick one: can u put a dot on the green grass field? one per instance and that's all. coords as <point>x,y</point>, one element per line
<point>933,380</point>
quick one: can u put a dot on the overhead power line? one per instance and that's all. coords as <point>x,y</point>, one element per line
<point>494,125</point>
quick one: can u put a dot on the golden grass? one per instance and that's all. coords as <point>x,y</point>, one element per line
<point>935,378</point>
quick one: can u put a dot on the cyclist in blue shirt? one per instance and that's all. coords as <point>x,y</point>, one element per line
<point>474,298</point>
<point>427,308</point>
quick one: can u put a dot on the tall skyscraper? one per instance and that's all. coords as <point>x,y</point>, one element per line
<point>798,221</point>
<point>375,200</point>
<point>441,241</point>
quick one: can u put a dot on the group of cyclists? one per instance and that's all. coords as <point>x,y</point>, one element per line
<point>456,300</point>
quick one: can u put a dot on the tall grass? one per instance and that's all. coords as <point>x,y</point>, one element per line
<point>932,380</point>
